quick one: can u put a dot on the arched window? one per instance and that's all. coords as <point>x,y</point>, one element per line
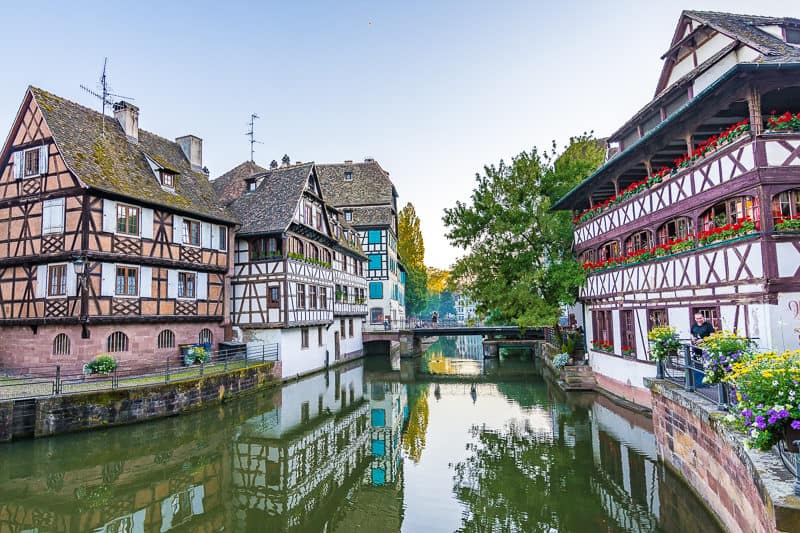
<point>730,211</point>
<point>166,339</point>
<point>786,205</point>
<point>117,342</point>
<point>608,250</point>
<point>638,241</point>
<point>297,246</point>
<point>677,228</point>
<point>205,337</point>
<point>61,344</point>
<point>313,252</point>
<point>326,256</point>
<point>587,256</point>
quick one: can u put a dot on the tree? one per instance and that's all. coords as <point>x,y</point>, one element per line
<point>438,279</point>
<point>519,266</point>
<point>447,305</point>
<point>411,249</point>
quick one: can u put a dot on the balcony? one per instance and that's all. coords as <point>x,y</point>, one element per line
<point>349,308</point>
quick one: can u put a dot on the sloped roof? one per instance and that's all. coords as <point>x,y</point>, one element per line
<point>370,184</point>
<point>745,29</point>
<point>345,226</point>
<point>271,207</point>
<point>113,164</point>
<point>232,184</point>
<point>373,216</point>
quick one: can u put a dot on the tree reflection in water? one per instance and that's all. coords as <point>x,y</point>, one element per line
<point>413,438</point>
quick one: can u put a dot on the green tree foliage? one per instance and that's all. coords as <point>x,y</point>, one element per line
<point>411,248</point>
<point>519,266</point>
<point>416,291</point>
<point>447,305</point>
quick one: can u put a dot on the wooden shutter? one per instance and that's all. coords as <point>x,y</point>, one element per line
<point>202,286</point>
<point>205,235</point>
<point>109,216</point>
<point>72,281</point>
<point>18,164</point>
<point>145,281</point>
<point>44,156</point>
<point>53,216</point>
<point>177,229</point>
<point>41,281</point>
<point>108,280</point>
<point>172,283</point>
<point>146,224</point>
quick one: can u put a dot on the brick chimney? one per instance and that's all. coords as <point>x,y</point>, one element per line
<point>127,115</point>
<point>192,147</point>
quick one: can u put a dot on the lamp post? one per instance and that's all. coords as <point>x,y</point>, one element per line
<point>79,265</point>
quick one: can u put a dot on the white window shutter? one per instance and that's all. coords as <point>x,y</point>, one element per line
<point>41,281</point>
<point>53,216</point>
<point>146,282</point>
<point>72,281</point>
<point>108,280</point>
<point>177,229</point>
<point>44,157</point>
<point>172,283</point>
<point>109,216</point>
<point>202,285</point>
<point>146,226</point>
<point>18,164</point>
<point>214,237</point>
<point>205,234</point>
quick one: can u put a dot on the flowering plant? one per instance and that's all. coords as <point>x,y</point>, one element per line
<point>788,223</point>
<point>638,256</point>
<point>560,360</point>
<point>664,342</point>
<point>628,351</point>
<point>720,350</point>
<point>768,393</point>
<point>102,364</point>
<point>603,346</point>
<point>742,227</point>
<point>783,122</point>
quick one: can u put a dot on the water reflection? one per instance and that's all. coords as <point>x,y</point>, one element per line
<point>381,446</point>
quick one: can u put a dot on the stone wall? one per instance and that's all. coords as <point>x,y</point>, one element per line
<point>748,490</point>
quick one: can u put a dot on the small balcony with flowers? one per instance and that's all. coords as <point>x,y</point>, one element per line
<point>349,301</point>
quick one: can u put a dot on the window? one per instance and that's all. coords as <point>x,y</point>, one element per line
<point>350,327</point>
<point>117,342</point>
<point>656,318</point>
<point>57,280</point>
<point>342,329</point>
<point>711,315</point>
<point>31,167</point>
<point>320,340</point>
<point>378,418</point>
<point>608,250</point>
<point>250,184</point>
<point>313,252</point>
<point>301,296</point>
<point>305,412</point>
<point>296,246</point>
<point>191,232</point>
<point>587,256</point>
<point>376,315</point>
<point>304,337</point>
<point>167,179</point>
<point>222,234</point>
<point>627,330</point>
<point>312,296</point>
<point>308,217</point>
<point>786,205</point>
<point>166,339</point>
<point>274,297</point>
<point>640,240</point>
<point>205,336</point>
<point>375,261</point>
<point>323,298</point>
<point>265,248</point>
<point>127,281</point>
<point>729,212</point>
<point>186,285</point>
<point>603,326</point>
<point>375,290</point>
<point>127,219</point>
<point>348,215</point>
<point>345,296</point>
<point>378,447</point>
<point>61,344</point>
<point>374,236</point>
<point>677,228</point>
<point>53,216</point>
<point>348,176</point>
<point>792,36</point>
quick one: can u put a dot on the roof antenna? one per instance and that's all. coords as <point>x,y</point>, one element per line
<point>252,136</point>
<point>105,93</point>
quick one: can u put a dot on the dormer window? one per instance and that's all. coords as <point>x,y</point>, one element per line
<point>167,179</point>
<point>348,176</point>
<point>793,36</point>
<point>348,215</point>
<point>250,184</point>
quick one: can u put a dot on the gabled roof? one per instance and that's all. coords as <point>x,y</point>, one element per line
<point>271,207</point>
<point>370,184</point>
<point>113,164</point>
<point>373,216</point>
<point>233,183</point>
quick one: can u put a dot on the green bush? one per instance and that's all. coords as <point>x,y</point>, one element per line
<point>102,364</point>
<point>196,355</point>
<point>560,360</point>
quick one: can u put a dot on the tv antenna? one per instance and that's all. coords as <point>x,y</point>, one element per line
<point>252,136</point>
<point>104,94</point>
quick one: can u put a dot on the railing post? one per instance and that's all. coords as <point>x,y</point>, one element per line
<point>57,384</point>
<point>115,380</point>
<point>263,354</point>
<point>688,368</point>
<point>245,357</point>
<point>796,469</point>
<point>225,360</point>
<point>202,367</point>
<point>166,373</point>
<point>724,397</point>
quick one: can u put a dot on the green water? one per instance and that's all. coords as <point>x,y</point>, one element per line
<point>448,442</point>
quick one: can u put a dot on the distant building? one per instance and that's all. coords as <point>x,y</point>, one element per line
<point>367,197</point>
<point>465,308</point>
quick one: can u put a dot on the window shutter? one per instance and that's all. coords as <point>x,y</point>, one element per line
<point>145,282</point>
<point>146,226</point>
<point>172,283</point>
<point>53,216</point>
<point>108,280</point>
<point>18,158</point>
<point>202,286</point>
<point>44,156</point>
<point>177,229</point>
<point>214,230</point>
<point>205,235</point>
<point>41,281</point>
<point>109,216</point>
<point>72,281</point>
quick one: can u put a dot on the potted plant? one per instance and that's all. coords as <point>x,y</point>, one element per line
<point>196,355</point>
<point>664,343</point>
<point>720,350</point>
<point>101,364</point>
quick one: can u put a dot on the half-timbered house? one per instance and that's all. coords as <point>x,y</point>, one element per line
<point>111,239</point>
<point>292,267</point>
<point>367,197</point>
<point>692,210</point>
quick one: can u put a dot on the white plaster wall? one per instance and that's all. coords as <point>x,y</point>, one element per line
<point>294,359</point>
<point>623,370</point>
<point>354,343</point>
<point>712,74</point>
<point>680,69</point>
<point>783,323</point>
<point>711,47</point>
<point>616,332</point>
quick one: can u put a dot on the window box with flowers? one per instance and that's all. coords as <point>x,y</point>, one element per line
<point>603,346</point>
<point>787,122</point>
<point>744,226</point>
<point>673,246</point>
<point>628,351</point>
<point>788,223</point>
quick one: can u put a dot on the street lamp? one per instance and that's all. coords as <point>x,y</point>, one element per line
<point>79,265</point>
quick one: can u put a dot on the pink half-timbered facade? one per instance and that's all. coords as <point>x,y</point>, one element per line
<point>693,209</point>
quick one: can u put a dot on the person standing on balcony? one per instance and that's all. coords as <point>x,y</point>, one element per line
<point>701,328</point>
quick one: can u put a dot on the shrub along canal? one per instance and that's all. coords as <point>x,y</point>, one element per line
<point>447,442</point>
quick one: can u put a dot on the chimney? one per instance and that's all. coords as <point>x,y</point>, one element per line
<point>285,160</point>
<point>348,161</point>
<point>192,147</point>
<point>127,115</point>
<point>273,165</point>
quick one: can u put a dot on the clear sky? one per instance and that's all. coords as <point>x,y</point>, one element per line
<point>432,89</point>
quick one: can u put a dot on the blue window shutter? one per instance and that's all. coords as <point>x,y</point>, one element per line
<point>374,236</point>
<point>378,447</point>
<point>376,290</point>
<point>378,418</point>
<point>375,261</point>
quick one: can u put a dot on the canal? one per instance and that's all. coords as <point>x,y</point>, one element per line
<point>447,442</point>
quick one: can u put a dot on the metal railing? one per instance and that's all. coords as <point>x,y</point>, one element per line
<point>686,368</point>
<point>35,381</point>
